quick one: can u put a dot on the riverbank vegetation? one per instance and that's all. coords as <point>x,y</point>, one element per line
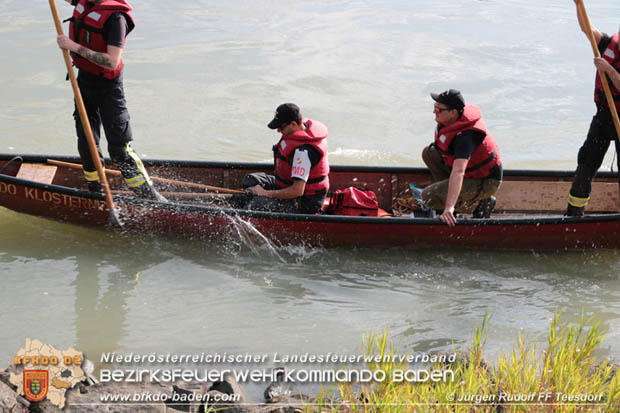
<point>563,377</point>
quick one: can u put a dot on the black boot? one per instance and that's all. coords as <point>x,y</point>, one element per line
<point>484,208</point>
<point>95,186</point>
<point>573,211</point>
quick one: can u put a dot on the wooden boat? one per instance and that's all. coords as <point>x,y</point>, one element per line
<point>528,215</point>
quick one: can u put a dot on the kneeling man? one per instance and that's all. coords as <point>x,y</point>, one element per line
<point>464,160</point>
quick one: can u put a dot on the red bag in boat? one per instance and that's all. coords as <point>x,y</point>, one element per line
<point>353,202</point>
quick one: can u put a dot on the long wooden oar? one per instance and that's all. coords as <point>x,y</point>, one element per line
<point>190,195</point>
<point>608,95</point>
<point>85,123</point>
<point>156,179</point>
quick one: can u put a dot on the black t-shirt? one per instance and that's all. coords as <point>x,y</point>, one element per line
<point>464,144</point>
<point>115,30</point>
<point>602,45</point>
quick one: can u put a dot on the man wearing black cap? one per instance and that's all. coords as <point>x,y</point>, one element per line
<point>602,130</point>
<point>300,181</point>
<point>464,160</point>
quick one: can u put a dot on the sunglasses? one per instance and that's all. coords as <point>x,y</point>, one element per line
<point>437,109</point>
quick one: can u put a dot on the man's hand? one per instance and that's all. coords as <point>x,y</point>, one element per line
<point>602,65</point>
<point>65,43</point>
<point>448,217</point>
<point>258,190</point>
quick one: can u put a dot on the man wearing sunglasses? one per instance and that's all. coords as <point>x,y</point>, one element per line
<point>300,181</point>
<point>464,160</point>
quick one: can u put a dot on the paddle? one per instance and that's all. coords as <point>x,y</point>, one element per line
<point>590,34</point>
<point>86,124</point>
<point>154,178</point>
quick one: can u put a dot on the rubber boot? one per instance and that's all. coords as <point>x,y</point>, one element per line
<point>95,187</point>
<point>573,211</point>
<point>484,208</point>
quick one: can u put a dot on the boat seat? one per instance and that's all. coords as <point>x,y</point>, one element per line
<point>37,172</point>
<point>553,196</point>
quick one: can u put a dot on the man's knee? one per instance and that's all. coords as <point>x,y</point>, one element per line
<point>258,178</point>
<point>429,155</point>
<point>434,197</point>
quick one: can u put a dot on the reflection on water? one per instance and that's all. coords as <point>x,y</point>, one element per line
<point>138,293</point>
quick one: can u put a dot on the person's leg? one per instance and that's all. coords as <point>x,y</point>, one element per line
<point>486,198</point>
<point>589,160</point>
<point>115,119</point>
<point>472,191</point>
<point>434,195</point>
<point>617,145</point>
<point>259,178</point>
<point>91,103</point>
<point>242,201</point>
<point>438,168</point>
<point>262,203</point>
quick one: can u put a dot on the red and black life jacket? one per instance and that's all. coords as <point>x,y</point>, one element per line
<point>612,56</point>
<point>315,134</point>
<point>86,29</point>
<point>486,155</point>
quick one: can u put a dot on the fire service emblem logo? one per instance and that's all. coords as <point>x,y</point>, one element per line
<point>36,384</point>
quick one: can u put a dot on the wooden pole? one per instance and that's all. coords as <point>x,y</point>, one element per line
<point>156,179</point>
<point>85,123</point>
<point>608,95</point>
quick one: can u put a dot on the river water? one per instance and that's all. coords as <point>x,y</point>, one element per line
<point>202,80</point>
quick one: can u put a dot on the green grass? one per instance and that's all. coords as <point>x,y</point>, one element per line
<point>552,380</point>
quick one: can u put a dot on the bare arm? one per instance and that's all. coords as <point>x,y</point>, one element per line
<point>582,24</point>
<point>604,67</point>
<point>454,190</point>
<point>294,191</point>
<point>109,60</point>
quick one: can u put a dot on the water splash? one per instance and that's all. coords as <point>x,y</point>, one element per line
<point>252,238</point>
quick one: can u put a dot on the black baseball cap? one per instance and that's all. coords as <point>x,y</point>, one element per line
<point>451,98</point>
<point>285,114</point>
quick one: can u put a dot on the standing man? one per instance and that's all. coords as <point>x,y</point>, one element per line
<point>464,160</point>
<point>96,39</point>
<point>301,180</point>
<point>602,130</point>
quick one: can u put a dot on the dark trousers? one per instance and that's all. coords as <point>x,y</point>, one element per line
<point>591,154</point>
<point>472,191</point>
<point>106,107</point>
<point>303,205</point>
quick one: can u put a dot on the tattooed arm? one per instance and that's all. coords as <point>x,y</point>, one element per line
<point>108,60</point>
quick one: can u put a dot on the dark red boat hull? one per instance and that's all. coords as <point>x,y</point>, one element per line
<point>79,207</point>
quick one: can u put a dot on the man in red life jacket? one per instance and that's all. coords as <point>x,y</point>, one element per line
<point>300,181</point>
<point>96,39</point>
<point>602,130</point>
<point>464,160</point>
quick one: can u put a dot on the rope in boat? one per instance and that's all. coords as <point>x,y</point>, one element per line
<point>4,168</point>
